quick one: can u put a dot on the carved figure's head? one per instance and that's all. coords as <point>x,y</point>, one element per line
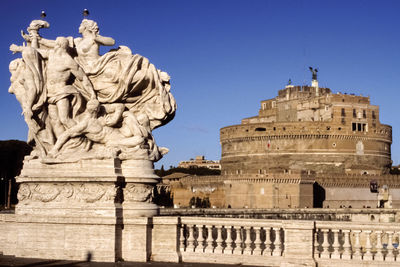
<point>92,106</point>
<point>62,42</point>
<point>88,25</point>
<point>36,25</point>
<point>14,64</point>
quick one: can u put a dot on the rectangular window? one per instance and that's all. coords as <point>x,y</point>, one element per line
<point>354,113</point>
<point>373,115</point>
<point>359,127</point>
<point>343,113</point>
<point>354,126</point>
<point>364,114</point>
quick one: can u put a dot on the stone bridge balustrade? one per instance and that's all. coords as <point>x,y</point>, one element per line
<point>254,242</point>
<point>236,237</point>
<point>376,244</point>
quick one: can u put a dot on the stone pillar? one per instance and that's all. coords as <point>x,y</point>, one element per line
<point>165,239</point>
<point>69,210</point>
<point>86,209</point>
<point>136,239</point>
<point>298,243</point>
<point>138,192</point>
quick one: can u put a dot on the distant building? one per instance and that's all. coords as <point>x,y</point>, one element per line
<point>308,147</point>
<point>200,162</point>
<point>309,128</point>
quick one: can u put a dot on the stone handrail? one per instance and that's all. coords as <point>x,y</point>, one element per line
<point>361,242</point>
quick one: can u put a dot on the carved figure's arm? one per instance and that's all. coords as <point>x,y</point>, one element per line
<point>16,48</point>
<point>48,43</point>
<point>74,131</point>
<point>104,40</point>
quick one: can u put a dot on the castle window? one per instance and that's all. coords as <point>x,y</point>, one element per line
<point>343,113</point>
<point>284,128</point>
<point>359,127</point>
<point>260,129</point>
<point>274,128</point>
<point>343,121</point>
<point>264,106</point>
<point>373,115</point>
<point>354,113</point>
<point>364,114</point>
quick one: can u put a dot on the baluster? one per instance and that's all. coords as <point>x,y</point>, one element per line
<point>316,245</point>
<point>219,240</point>
<point>238,241</point>
<point>247,242</point>
<point>277,242</point>
<point>200,239</point>
<point>190,238</point>
<point>267,250</point>
<point>357,246</point>
<point>335,245</point>
<point>389,255</point>
<point>346,245</point>
<point>379,248</point>
<point>325,244</point>
<point>368,246</point>
<point>210,241</point>
<point>182,238</point>
<point>257,241</point>
<point>229,242</point>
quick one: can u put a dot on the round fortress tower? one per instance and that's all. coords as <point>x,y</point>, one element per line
<point>309,128</point>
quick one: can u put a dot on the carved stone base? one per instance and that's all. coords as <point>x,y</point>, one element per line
<point>71,210</point>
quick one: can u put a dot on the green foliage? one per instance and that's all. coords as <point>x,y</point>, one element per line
<point>162,197</point>
<point>12,153</point>
<point>193,171</point>
<point>200,203</point>
<point>192,202</point>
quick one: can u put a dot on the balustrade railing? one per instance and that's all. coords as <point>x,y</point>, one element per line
<point>353,241</point>
<point>232,237</point>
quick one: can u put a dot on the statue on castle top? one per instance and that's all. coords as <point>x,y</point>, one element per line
<point>80,104</point>
<point>314,73</point>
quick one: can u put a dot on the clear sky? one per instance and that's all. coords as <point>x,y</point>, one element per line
<point>224,57</point>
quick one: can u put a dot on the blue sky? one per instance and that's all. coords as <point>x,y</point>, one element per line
<point>224,57</point>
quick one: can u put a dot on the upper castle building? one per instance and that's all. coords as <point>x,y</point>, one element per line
<point>309,128</point>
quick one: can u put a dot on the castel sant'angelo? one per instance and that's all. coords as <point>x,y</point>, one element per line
<point>308,147</point>
<point>309,128</point>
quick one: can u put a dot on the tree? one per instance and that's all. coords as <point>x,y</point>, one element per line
<point>12,153</point>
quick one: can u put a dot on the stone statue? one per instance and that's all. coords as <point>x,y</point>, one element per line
<point>79,104</point>
<point>314,73</point>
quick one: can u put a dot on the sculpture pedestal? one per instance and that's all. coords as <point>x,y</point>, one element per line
<point>76,210</point>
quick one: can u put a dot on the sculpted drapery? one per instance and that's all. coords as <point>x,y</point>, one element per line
<point>78,104</point>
